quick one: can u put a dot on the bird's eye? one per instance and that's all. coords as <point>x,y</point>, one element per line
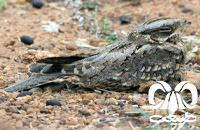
<point>165,29</point>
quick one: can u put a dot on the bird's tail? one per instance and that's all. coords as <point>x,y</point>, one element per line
<point>45,71</point>
<point>34,81</point>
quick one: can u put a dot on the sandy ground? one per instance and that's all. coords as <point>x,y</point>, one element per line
<point>81,109</point>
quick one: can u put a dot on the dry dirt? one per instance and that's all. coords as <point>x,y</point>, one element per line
<point>81,109</point>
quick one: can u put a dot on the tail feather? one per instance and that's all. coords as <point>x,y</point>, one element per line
<point>34,81</point>
<point>44,68</point>
<point>45,71</point>
<point>60,60</point>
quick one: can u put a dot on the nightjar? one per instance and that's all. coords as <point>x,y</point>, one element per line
<point>152,51</point>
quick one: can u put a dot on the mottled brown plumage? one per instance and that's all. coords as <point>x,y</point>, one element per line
<point>153,51</point>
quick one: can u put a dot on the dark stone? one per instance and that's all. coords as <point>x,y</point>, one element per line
<point>187,10</point>
<point>102,120</point>
<point>53,103</point>
<point>24,93</point>
<point>37,4</point>
<point>124,19</point>
<point>132,102</point>
<point>26,40</point>
<point>120,103</point>
<point>192,33</point>
<point>160,15</point>
<point>46,111</point>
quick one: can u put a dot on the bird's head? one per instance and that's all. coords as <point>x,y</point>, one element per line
<point>160,30</point>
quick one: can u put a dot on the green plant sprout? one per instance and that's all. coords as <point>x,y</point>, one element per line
<point>3,4</point>
<point>103,23</point>
<point>89,5</point>
<point>112,37</point>
<point>189,46</point>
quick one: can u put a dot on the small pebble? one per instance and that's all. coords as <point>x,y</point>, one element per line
<point>37,4</point>
<point>85,101</point>
<point>26,40</point>
<point>2,113</point>
<point>48,46</point>
<point>25,93</point>
<point>62,122</point>
<point>24,99</point>
<point>36,90</point>
<point>112,101</point>
<point>30,110</point>
<point>71,46</point>
<point>120,103</point>
<point>45,111</point>
<point>124,19</point>
<point>89,96</point>
<point>11,43</point>
<point>192,33</point>
<point>132,102</point>
<point>16,116</point>
<point>181,6</point>
<point>12,109</point>
<point>72,121</point>
<point>102,120</point>
<point>100,102</point>
<point>187,10</point>
<point>129,112</point>
<point>116,95</point>
<point>53,103</point>
<point>87,112</point>
<point>33,48</point>
<point>19,124</point>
